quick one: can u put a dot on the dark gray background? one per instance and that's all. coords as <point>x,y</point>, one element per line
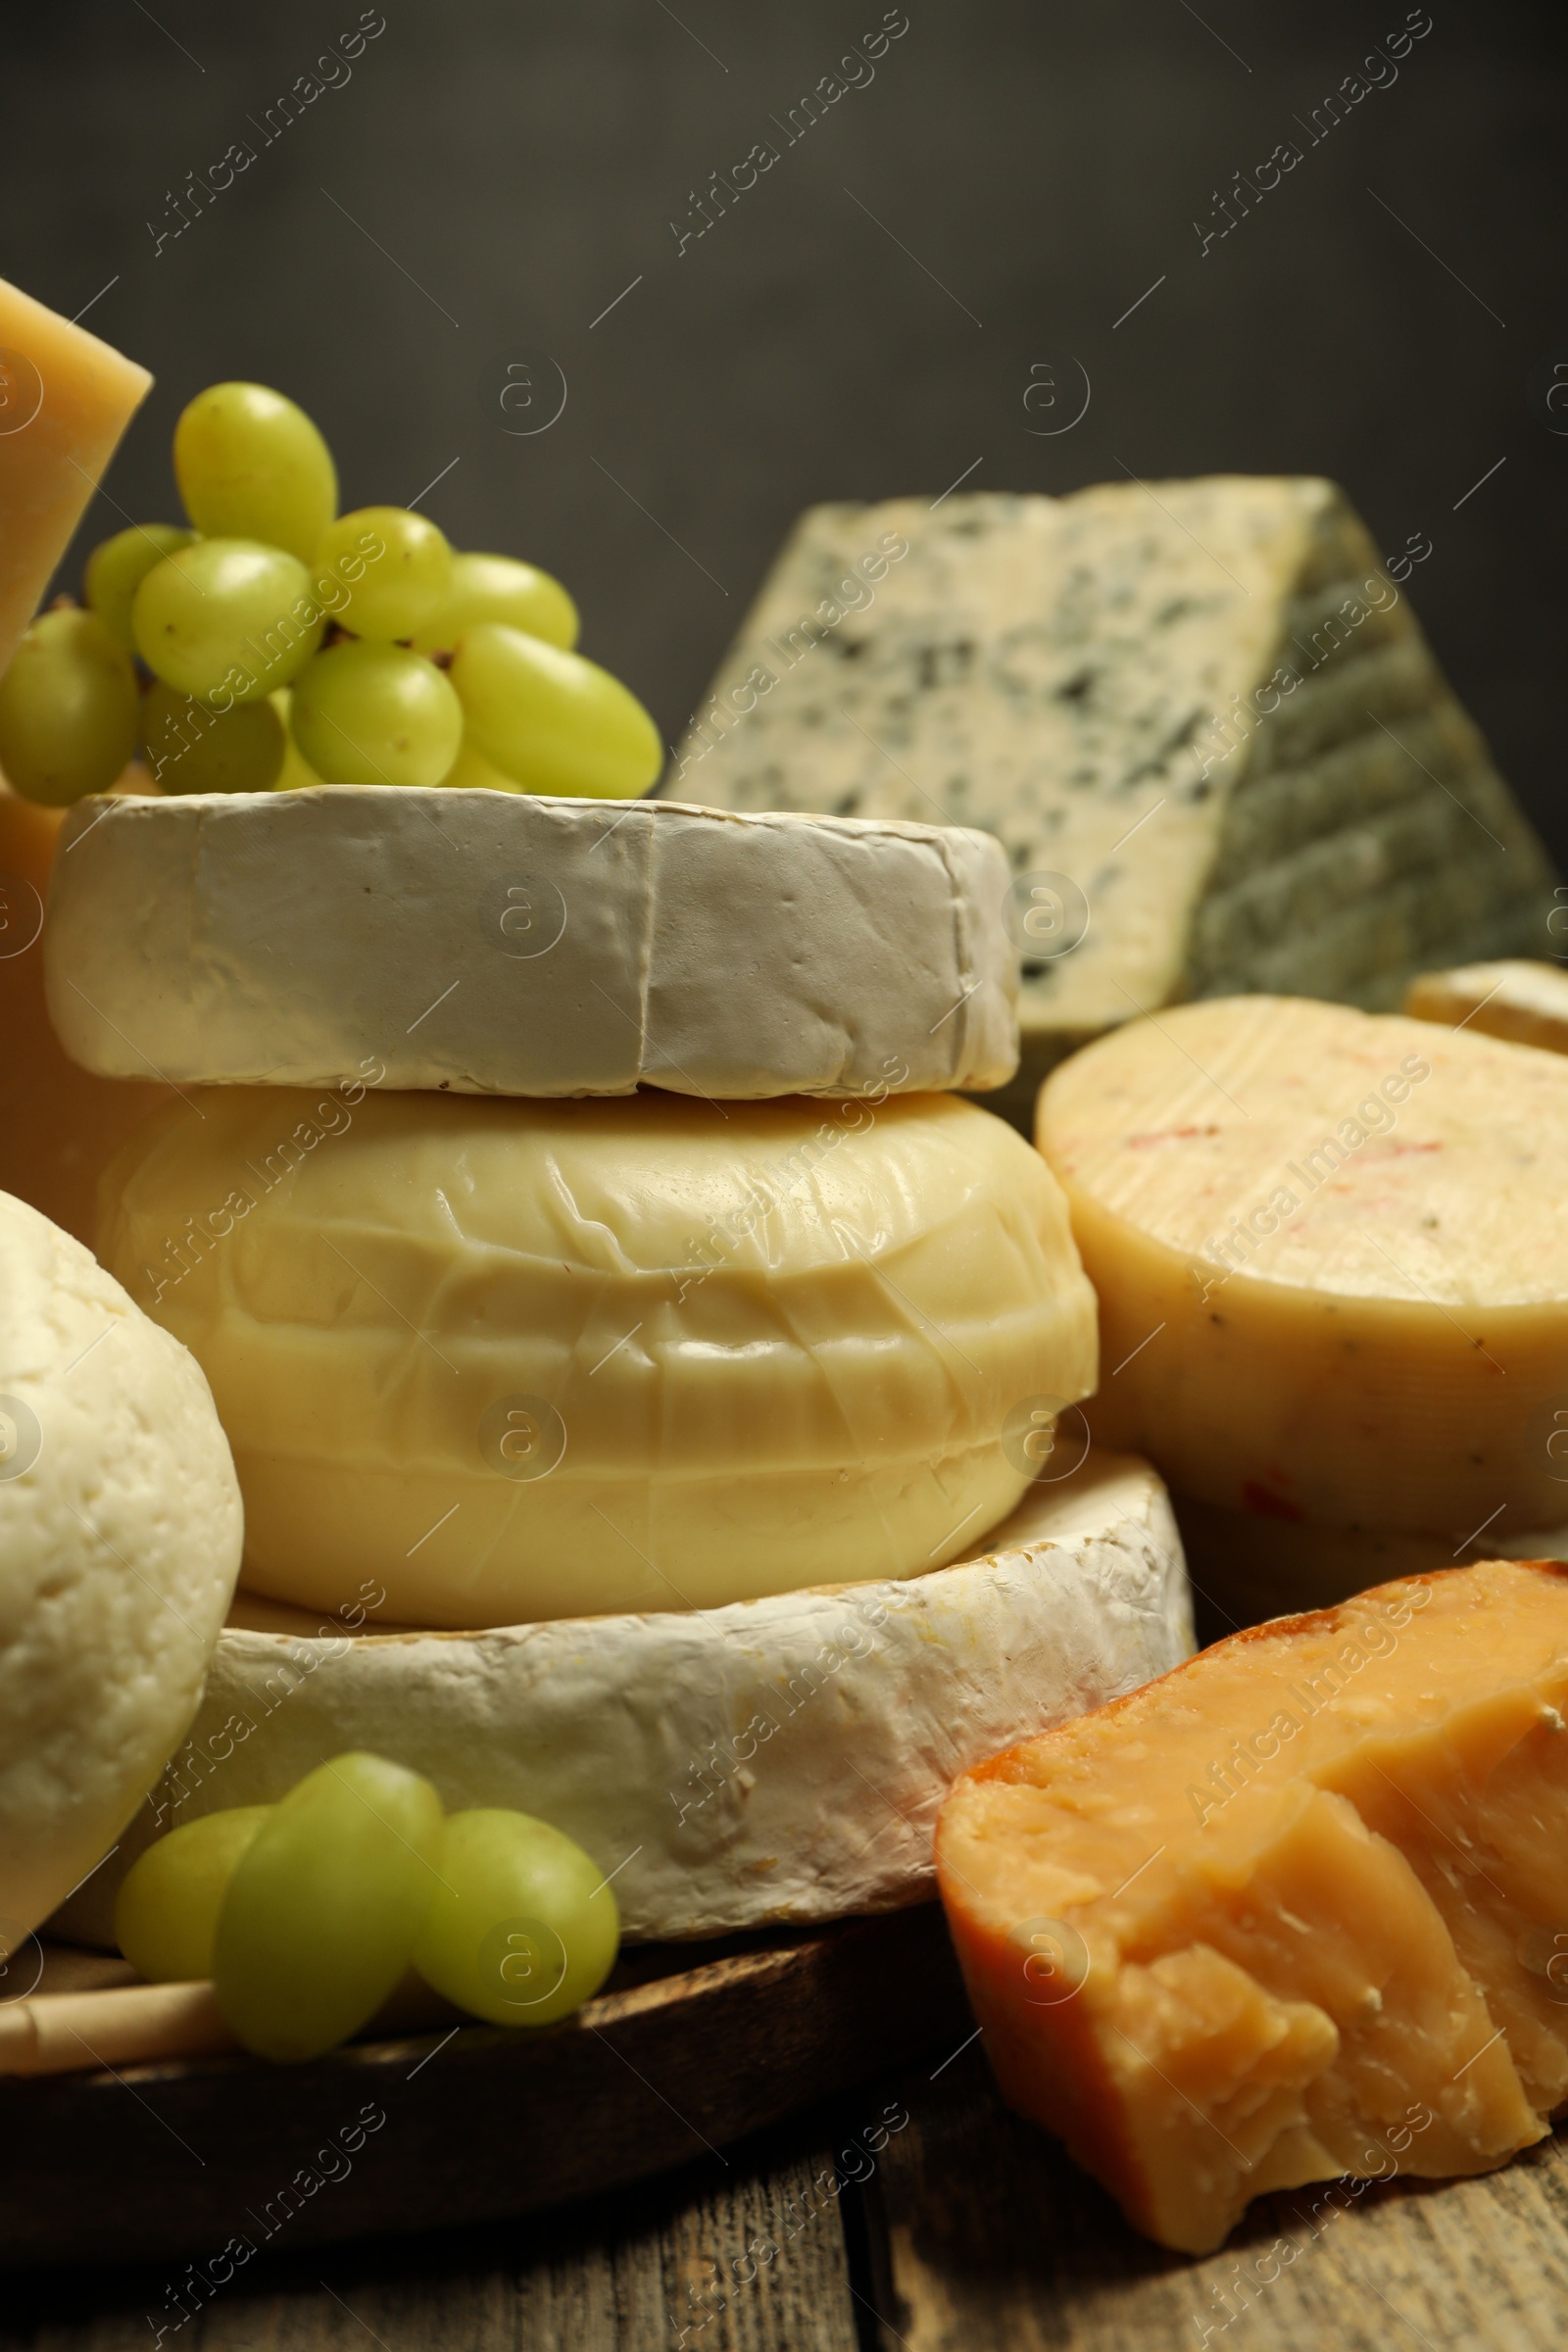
<point>1032,168</point>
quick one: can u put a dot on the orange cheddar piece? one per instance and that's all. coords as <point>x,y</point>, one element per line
<point>64,400</point>
<point>58,1126</point>
<point>1299,1909</point>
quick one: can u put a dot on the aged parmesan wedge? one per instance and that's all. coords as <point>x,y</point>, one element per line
<point>58,1124</point>
<point>1518,1000</point>
<point>1297,1909</point>
<point>1330,1261</point>
<point>508,943</point>
<point>521,1359</point>
<point>64,400</point>
<point>1201,706</point>
<point>777,1760</point>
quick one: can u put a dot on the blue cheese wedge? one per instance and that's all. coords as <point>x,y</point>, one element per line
<point>1199,716</point>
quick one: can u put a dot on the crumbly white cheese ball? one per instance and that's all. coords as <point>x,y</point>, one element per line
<point>528,1359</point>
<point>120,1543</point>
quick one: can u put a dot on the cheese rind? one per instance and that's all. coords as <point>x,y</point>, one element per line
<point>1294,1910</point>
<point>1526,1003</point>
<point>523,1359</point>
<point>120,1543</point>
<point>1202,702</point>
<point>777,1760</point>
<point>508,943</point>
<point>64,401</point>
<point>1330,1259</point>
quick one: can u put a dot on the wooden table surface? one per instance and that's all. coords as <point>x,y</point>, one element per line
<point>913,2212</point>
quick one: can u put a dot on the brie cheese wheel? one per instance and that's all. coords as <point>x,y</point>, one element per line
<point>523,1359</point>
<point>777,1760</point>
<point>1331,1260</point>
<point>1525,1001</point>
<point>505,943</point>
<point>1199,716</point>
<point>120,1543</point>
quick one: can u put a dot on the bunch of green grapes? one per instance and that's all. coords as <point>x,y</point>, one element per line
<point>276,643</point>
<point>306,1914</point>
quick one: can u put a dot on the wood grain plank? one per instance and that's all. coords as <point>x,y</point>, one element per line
<point>182,2159</point>
<point>986,2237</point>
<point>663,2268</point>
<point>748,2265</point>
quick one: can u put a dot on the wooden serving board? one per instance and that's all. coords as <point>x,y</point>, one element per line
<point>958,2229</point>
<point>687,2048</point>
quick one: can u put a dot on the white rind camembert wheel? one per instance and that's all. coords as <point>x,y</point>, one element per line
<point>771,1761</point>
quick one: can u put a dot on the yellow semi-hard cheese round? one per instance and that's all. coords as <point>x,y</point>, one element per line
<point>1332,1261</point>
<point>518,1359</point>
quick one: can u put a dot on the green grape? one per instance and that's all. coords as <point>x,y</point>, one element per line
<point>228,619</point>
<point>370,714</point>
<point>252,466</point>
<point>396,565</point>
<point>322,1914</point>
<point>497,588</point>
<point>68,708</point>
<point>192,747</point>
<point>295,775</point>
<point>166,1914</point>
<point>118,566</point>
<point>471,771</point>
<point>552,721</point>
<point>523,1927</point>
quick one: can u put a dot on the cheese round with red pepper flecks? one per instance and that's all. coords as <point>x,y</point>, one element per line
<point>1331,1260</point>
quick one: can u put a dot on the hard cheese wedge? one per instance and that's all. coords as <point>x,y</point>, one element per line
<point>59,1125</point>
<point>778,1759</point>
<point>64,400</point>
<point>1515,999</point>
<point>1295,1910</point>
<point>510,942</point>
<point>1203,721</point>
<point>1331,1262</point>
